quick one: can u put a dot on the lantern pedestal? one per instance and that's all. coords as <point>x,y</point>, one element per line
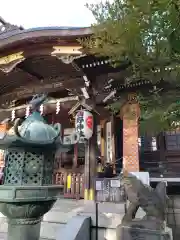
<point>24,207</point>
<point>25,231</point>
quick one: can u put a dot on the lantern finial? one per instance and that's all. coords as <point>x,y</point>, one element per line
<point>37,101</point>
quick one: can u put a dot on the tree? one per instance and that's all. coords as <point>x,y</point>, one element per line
<point>146,33</point>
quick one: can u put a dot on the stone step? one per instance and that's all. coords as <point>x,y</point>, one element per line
<point>49,230</point>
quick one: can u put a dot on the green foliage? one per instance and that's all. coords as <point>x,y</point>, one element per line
<point>158,112</point>
<point>144,31</point>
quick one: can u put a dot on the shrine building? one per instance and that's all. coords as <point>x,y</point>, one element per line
<point>51,60</point>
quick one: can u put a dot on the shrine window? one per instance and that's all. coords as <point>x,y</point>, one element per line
<point>147,143</point>
<point>154,144</point>
<point>172,140</point>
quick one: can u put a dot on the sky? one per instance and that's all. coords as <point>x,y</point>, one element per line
<point>43,13</point>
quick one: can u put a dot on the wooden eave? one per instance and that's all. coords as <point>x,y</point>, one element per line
<point>37,70</point>
<point>18,38</point>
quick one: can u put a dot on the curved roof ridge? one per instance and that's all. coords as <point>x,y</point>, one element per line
<point>56,28</point>
<point>6,28</point>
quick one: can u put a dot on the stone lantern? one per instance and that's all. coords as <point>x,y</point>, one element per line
<point>27,192</point>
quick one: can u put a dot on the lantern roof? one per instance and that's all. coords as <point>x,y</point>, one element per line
<point>35,130</point>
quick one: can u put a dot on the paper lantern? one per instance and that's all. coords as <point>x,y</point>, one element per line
<point>84,124</point>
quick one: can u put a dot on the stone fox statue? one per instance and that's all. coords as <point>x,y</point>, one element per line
<point>152,201</point>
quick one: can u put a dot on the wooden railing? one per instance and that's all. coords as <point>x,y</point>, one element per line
<point>73,184</point>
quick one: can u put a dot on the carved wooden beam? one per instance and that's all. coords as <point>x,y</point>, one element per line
<point>21,92</point>
<point>52,101</point>
<point>58,51</point>
<point>46,86</point>
<point>66,54</point>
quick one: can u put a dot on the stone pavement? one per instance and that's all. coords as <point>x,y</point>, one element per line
<point>109,215</point>
<point>3,236</point>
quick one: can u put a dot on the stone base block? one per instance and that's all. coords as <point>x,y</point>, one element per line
<point>133,233</point>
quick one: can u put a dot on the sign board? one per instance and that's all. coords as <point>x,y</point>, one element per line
<point>143,176</point>
<point>99,185</point>
<point>109,190</point>
<point>115,183</point>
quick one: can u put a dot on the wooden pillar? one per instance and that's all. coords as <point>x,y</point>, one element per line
<point>75,157</point>
<point>113,143</point>
<point>130,114</point>
<point>103,125</point>
<point>119,143</point>
<point>87,171</point>
<point>61,155</point>
<point>93,161</point>
<point>161,146</point>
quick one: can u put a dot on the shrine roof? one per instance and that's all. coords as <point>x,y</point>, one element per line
<point>45,59</point>
<point>51,60</point>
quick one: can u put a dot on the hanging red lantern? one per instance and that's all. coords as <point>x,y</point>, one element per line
<point>84,124</point>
